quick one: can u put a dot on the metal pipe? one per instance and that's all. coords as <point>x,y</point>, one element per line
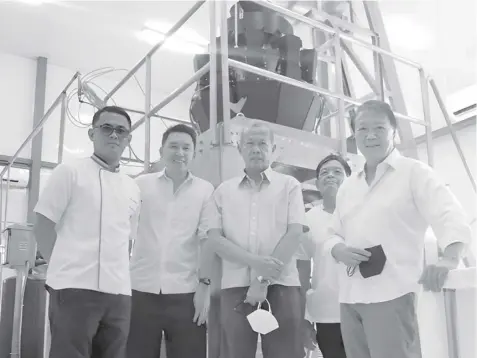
<point>147,117</point>
<point>452,131</point>
<point>236,25</point>
<point>156,47</point>
<point>5,219</point>
<point>307,86</point>
<point>20,285</point>
<point>330,30</point>
<point>224,56</point>
<point>378,63</point>
<point>174,94</point>
<point>157,116</point>
<point>337,22</point>
<point>339,89</point>
<point>40,125</point>
<point>213,71</point>
<point>450,305</point>
<point>361,67</point>
<point>62,127</point>
<point>348,106</point>
<point>427,116</point>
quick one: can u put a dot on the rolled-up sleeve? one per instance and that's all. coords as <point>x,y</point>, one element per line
<point>207,213</point>
<point>56,195</point>
<point>439,207</point>
<point>296,207</point>
<point>215,221</point>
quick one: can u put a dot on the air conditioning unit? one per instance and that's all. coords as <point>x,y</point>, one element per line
<point>19,178</point>
<point>463,104</point>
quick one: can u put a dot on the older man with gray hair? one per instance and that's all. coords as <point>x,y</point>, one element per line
<point>256,231</point>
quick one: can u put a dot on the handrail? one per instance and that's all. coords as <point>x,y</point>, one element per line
<point>173,94</point>
<point>156,47</point>
<point>40,125</point>
<point>443,108</point>
<point>328,29</point>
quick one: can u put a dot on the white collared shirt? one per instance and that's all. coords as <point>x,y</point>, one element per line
<point>394,211</point>
<point>322,303</point>
<point>166,253</point>
<point>256,218</point>
<point>96,212</point>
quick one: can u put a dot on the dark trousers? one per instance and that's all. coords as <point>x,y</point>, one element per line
<point>385,329</point>
<point>87,324</point>
<point>330,342</point>
<point>238,338</point>
<point>173,314</point>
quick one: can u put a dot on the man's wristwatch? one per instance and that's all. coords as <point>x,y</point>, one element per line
<point>205,281</point>
<point>263,280</point>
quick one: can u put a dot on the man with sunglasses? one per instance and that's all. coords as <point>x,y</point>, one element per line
<point>86,217</point>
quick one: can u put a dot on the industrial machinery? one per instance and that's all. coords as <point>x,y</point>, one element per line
<point>264,39</point>
<point>22,322</point>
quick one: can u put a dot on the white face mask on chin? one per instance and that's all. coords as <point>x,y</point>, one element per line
<point>263,321</point>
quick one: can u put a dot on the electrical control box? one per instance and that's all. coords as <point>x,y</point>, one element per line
<point>21,246</point>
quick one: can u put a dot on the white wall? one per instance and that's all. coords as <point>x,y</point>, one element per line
<point>450,167</point>
<point>17,89</point>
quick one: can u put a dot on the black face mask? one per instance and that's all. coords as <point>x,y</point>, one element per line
<point>375,265</point>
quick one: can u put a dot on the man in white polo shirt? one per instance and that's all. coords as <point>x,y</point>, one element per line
<point>256,230</point>
<point>378,230</point>
<point>86,216</point>
<point>322,303</point>
<point>170,296</point>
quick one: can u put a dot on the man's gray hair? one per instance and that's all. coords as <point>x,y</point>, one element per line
<point>257,125</point>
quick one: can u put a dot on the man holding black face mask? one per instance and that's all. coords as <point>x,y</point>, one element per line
<point>378,230</point>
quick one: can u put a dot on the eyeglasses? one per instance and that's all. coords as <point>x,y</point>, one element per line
<point>107,130</point>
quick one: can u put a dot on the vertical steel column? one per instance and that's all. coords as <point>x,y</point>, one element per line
<point>427,116</point>
<point>319,38</point>
<point>446,115</point>
<point>451,314</point>
<point>213,71</point>
<point>62,127</point>
<point>37,142</point>
<point>147,116</point>
<point>224,55</point>
<point>378,69</point>
<point>339,89</point>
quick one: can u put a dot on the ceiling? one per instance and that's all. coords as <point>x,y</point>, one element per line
<point>86,35</point>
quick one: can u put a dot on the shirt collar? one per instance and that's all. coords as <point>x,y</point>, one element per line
<point>266,177</point>
<point>162,174</point>
<point>104,165</point>
<point>391,160</point>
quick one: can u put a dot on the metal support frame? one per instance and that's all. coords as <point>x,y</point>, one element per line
<point>224,56</point>
<point>147,116</point>
<point>443,108</point>
<point>30,137</point>
<point>450,305</point>
<point>427,116</point>
<point>64,105</point>
<point>213,71</point>
<point>37,141</point>
<point>376,23</point>
<point>339,89</point>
